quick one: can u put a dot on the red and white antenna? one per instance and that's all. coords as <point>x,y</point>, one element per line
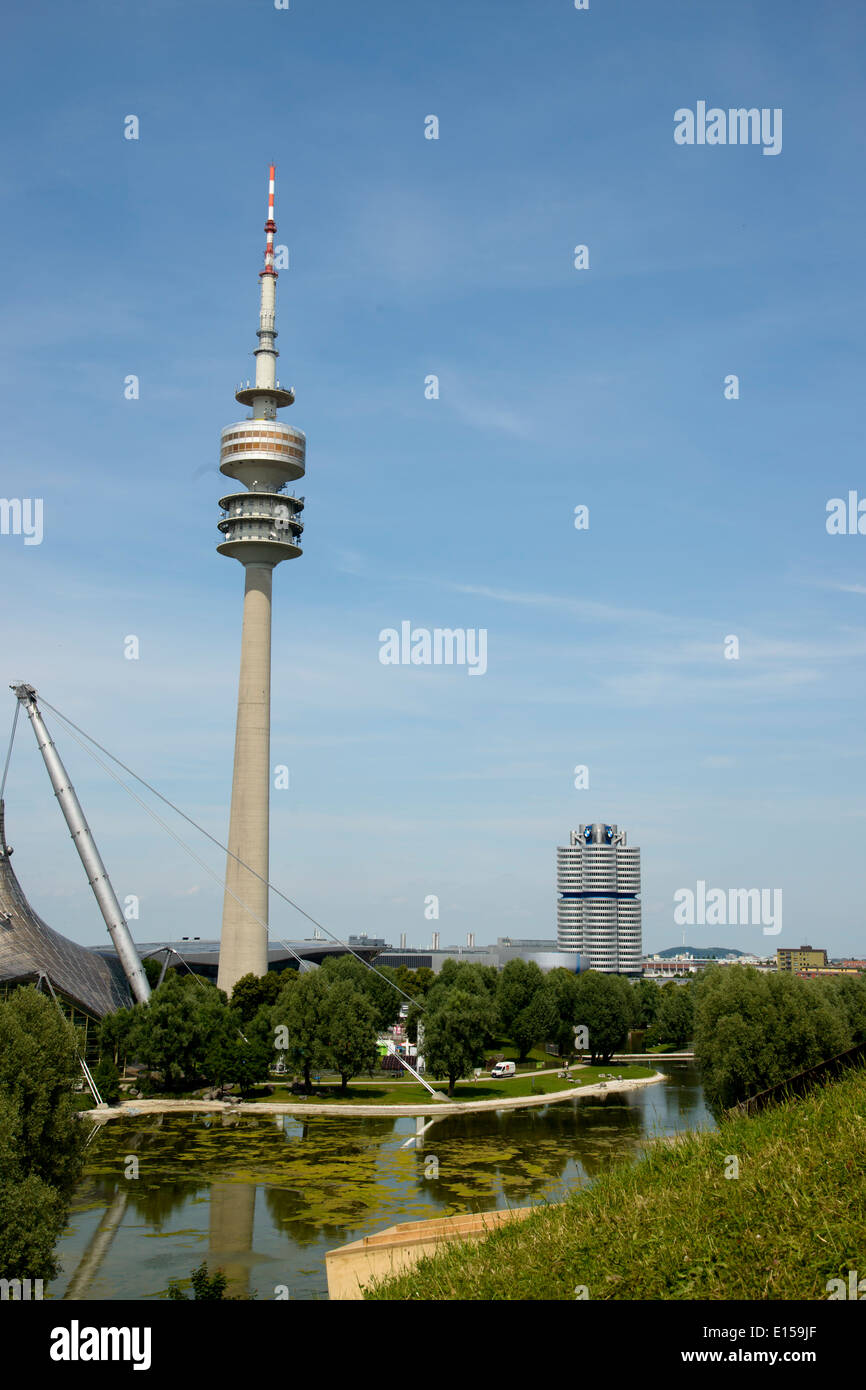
<point>270,228</point>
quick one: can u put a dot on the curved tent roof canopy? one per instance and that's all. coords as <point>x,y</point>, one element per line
<point>30,948</point>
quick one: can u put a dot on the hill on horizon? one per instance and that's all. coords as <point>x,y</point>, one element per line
<point>700,952</point>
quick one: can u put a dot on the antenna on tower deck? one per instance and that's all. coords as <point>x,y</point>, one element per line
<point>270,228</point>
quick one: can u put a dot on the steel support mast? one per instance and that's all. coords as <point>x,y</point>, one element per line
<point>89,855</point>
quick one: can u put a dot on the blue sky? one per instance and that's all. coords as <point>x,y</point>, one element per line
<point>558,387</point>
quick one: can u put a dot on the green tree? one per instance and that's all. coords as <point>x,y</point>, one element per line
<point>754,1029</point>
<point>186,1031</point>
<point>302,1010</point>
<point>561,987</point>
<point>454,1034</point>
<point>847,995</point>
<point>251,1054</point>
<point>460,974</point>
<point>413,1018</point>
<point>205,1287</point>
<point>213,1051</point>
<point>152,969</point>
<point>34,1212</point>
<point>675,1017</point>
<point>606,1008</point>
<point>114,1032</point>
<point>377,985</point>
<point>252,991</point>
<point>41,1139</point>
<point>351,1030</point>
<point>646,999</point>
<point>466,975</point>
<point>469,977</point>
<point>107,1079</point>
<point>196,983</point>
<point>517,986</point>
<point>163,1035</point>
<point>534,1024</point>
<point>407,980</point>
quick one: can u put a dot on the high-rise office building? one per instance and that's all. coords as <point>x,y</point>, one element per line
<point>598,913</point>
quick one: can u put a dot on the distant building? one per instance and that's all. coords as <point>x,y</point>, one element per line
<point>676,960</point>
<point>546,954</point>
<point>759,962</point>
<point>795,958</point>
<point>202,956</point>
<point>663,967</point>
<point>830,970</point>
<point>599,911</point>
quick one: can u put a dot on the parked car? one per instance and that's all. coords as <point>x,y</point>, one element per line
<point>504,1069</point>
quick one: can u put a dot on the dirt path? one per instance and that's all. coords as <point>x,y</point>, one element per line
<point>432,1107</point>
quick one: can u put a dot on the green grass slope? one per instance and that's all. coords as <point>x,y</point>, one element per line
<point>674,1227</point>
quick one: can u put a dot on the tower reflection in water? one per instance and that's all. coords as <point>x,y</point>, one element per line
<point>325,1181</point>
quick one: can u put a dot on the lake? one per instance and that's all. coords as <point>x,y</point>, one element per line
<point>265,1198</point>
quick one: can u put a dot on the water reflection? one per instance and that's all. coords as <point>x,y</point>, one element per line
<point>323,1181</point>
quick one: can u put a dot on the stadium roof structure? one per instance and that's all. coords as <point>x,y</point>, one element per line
<point>30,950</point>
<point>201,956</point>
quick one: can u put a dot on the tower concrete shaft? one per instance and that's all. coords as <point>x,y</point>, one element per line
<point>261,527</point>
<point>244,941</point>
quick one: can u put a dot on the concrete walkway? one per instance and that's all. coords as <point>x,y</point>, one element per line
<point>620,1058</point>
<point>432,1107</point>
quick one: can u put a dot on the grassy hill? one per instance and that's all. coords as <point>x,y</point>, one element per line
<point>674,1227</point>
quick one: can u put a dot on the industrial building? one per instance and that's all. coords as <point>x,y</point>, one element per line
<point>546,954</point>
<point>202,957</point>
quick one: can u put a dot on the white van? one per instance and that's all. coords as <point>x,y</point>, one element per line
<point>504,1069</point>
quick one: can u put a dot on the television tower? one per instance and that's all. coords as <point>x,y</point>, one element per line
<point>261,527</point>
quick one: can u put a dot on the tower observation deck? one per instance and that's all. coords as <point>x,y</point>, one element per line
<point>261,527</point>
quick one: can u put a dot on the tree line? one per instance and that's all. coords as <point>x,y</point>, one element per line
<point>190,1032</point>
<point>469,1007</point>
<point>754,1028</point>
<point>331,1017</point>
<point>41,1139</point>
